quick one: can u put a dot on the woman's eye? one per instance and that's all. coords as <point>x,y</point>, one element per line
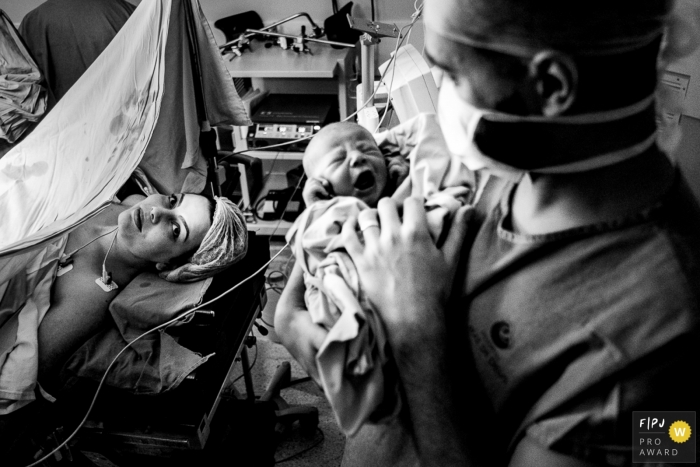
<point>176,230</point>
<point>172,199</point>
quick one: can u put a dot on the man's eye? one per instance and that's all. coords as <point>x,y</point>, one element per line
<point>176,230</point>
<point>173,200</point>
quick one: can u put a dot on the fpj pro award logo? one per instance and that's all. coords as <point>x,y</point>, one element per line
<point>663,437</point>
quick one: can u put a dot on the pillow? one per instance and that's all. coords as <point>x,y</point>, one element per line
<point>155,363</point>
<point>149,300</point>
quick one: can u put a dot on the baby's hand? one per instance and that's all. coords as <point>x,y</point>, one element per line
<point>316,190</point>
<point>398,168</point>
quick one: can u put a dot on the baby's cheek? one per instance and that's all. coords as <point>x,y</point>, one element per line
<point>342,186</point>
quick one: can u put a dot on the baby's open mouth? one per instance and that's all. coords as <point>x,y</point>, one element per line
<point>364,181</point>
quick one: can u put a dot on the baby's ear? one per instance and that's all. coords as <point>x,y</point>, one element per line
<point>162,266</point>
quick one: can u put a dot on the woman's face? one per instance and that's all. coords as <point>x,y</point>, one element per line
<point>161,228</point>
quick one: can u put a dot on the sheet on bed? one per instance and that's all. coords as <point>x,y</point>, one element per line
<point>71,165</point>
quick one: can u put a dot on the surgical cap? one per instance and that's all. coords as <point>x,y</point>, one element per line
<point>225,243</point>
<point>524,27</point>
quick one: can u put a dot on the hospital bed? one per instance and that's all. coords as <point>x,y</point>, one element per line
<point>180,422</point>
<point>56,175</point>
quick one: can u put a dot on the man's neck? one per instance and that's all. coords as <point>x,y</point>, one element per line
<point>550,203</point>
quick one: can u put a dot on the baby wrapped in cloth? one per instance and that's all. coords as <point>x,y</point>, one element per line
<point>353,363</point>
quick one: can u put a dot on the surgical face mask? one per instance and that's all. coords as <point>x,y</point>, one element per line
<point>458,120</point>
<point>510,146</point>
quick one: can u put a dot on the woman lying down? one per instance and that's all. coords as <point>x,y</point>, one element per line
<point>186,237</point>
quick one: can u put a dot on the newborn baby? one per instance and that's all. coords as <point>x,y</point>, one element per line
<point>343,159</point>
<point>349,170</point>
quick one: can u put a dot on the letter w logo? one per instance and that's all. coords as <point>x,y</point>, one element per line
<point>680,432</point>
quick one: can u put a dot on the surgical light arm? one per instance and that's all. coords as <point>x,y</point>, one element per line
<point>317,30</point>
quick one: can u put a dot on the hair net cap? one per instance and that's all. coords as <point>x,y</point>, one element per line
<point>524,27</point>
<point>225,243</point>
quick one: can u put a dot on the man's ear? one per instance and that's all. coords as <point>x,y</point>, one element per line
<point>556,81</point>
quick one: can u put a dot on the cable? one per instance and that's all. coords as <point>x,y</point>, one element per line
<point>167,323</point>
<point>392,59</point>
<point>189,312</point>
<point>266,323</point>
<point>250,367</point>
<point>320,440</point>
<point>416,14</point>
<point>391,84</point>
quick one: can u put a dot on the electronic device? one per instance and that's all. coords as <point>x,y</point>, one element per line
<point>283,118</point>
<point>286,203</point>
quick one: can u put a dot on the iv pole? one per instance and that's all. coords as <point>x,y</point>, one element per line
<point>372,31</point>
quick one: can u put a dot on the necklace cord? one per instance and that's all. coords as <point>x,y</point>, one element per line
<point>107,277</point>
<point>80,248</point>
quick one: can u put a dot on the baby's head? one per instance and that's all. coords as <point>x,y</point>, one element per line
<point>346,155</point>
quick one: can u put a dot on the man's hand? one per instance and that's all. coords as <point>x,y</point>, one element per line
<point>316,190</point>
<point>404,275</point>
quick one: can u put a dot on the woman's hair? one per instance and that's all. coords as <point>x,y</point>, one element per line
<point>224,244</point>
<point>187,256</point>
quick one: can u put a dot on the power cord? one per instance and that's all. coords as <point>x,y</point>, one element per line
<point>183,315</point>
<point>189,312</point>
<point>399,41</point>
<point>167,323</point>
<point>251,366</point>
<point>392,62</point>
